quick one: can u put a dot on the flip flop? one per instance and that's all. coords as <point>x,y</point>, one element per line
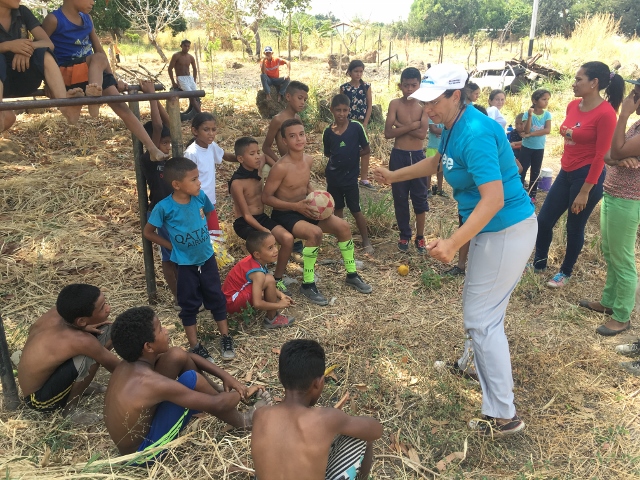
<point>586,304</point>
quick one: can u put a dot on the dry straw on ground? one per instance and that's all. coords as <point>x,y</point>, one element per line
<point>69,214</point>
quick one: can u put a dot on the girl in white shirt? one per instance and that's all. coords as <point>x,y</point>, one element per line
<point>496,102</point>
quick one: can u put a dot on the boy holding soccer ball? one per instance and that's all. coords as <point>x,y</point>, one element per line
<point>285,190</point>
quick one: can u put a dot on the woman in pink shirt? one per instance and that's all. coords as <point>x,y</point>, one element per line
<point>619,219</point>
<point>587,131</point>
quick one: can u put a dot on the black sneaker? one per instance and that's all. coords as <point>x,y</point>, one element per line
<point>488,426</point>
<point>201,351</point>
<point>356,282</point>
<point>454,271</point>
<point>632,367</point>
<point>310,290</point>
<point>226,348</point>
<point>434,189</point>
<point>443,194</point>
<point>468,372</point>
<point>403,245</point>
<point>629,349</point>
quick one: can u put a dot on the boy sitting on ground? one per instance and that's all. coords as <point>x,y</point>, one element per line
<point>63,351</point>
<point>296,97</point>
<point>245,187</point>
<point>154,392</point>
<point>294,440</point>
<point>185,213</point>
<point>250,284</point>
<point>84,64</point>
<point>285,190</point>
<point>24,62</point>
<point>345,143</point>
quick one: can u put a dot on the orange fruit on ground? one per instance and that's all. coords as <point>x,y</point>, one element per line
<point>403,270</point>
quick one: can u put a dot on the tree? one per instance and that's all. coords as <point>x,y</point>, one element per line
<point>108,18</point>
<point>236,19</point>
<point>429,19</point>
<point>152,16</point>
<point>289,7</point>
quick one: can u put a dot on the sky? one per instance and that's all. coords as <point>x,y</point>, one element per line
<point>376,10</point>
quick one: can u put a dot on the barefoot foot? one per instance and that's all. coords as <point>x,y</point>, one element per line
<point>264,400</point>
<point>94,388</point>
<point>72,114</point>
<point>94,90</point>
<point>7,118</point>
<point>80,417</point>
<point>368,248</point>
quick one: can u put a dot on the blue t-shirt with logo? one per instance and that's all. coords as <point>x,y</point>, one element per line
<point>478,152</point>
<point>434,140</point>
<point>537,124</point>
<point>187,227</point>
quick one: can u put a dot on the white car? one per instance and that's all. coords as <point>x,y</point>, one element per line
<point>495,75</point>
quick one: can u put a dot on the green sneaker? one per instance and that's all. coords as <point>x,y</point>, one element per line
<point>282,287</point>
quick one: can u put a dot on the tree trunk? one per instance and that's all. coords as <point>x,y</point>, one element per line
<point>258,44</point>
<point>289,55</point>
<point>300,46</point>
<point>158,49</point>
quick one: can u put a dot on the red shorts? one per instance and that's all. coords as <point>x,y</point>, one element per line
<point>241,300</point>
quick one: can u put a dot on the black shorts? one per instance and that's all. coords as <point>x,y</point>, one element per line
<point>349,195</point>
<point>288,218</point>
<point>243,229</point>
<point>55,391</point>
<point>22,84</point>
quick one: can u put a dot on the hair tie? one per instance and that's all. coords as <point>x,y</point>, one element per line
<point>611,75</point>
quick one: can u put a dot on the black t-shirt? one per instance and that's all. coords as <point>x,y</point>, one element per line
<point>153,173</point>
<point>344,154</point>
<point>514,136</point>
<point>22,22</point>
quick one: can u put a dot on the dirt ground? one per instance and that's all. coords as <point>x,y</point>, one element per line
<point>69,213</point>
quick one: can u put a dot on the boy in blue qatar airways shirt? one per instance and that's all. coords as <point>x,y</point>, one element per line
<point>345,142</point>
<point>184,214</point>
<point>464,162</point>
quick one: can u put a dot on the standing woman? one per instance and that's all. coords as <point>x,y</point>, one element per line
<point>498,220</point>
<point>587,131</point>
<point>619,219</point>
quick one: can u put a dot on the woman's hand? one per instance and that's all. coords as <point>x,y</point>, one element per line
<point>383,175</point>
<point>629,162</point>
<point>441,249</point>
<point>629,105</point>
<point>580,202</point>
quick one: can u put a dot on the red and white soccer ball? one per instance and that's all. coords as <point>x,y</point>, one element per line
<point>322,202</point>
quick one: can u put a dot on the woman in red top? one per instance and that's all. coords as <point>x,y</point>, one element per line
<point>587,131</point>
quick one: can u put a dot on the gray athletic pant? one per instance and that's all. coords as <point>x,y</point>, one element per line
<point>496,263</point>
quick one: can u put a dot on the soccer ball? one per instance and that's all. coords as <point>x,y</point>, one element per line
<point>322,202</point>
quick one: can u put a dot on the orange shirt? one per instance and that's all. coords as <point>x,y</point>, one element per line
<point>272,67</point>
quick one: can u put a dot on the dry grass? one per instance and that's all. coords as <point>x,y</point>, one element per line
<point>69,214</point>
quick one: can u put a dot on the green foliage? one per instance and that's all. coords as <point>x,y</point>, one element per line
<point>431,279</point>
<point>378,210</point>
<point>108,19</point>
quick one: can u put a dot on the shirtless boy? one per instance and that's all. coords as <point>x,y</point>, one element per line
<point>63,351</point>
<point>245,187</point>
<point>180,62</point>
<point>285,190</point>
<point>294,440</point>
<point>296,98</point>
<point>408,124</point>
<point>154,392</point>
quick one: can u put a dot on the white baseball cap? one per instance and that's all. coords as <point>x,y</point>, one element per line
<point>268,49</point>
<point>439,79</point>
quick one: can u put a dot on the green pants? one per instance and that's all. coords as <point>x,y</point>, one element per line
<point>619,219</point>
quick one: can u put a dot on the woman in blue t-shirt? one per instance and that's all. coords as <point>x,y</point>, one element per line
<point>499,221</point>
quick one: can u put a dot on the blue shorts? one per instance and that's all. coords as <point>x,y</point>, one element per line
<point>164,233</point>
<point>168,421</point>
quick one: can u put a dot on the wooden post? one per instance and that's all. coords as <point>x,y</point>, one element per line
<point>197,55</point>
<point>389,74</point>
<point>11,400</point>
<point>175,126</point>
<point>300,57</point>
<point>331,45</point>
<point>521,46</point>
<point>490,50</point>
<point>441,53</point>
<point>141,185</point>
<point>340,60</point>
<point>379,45</point>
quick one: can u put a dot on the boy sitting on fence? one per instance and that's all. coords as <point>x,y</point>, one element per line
<point>25,62</point>
<point>63,351</point>
<point>154,392</point>
<point>84,64</point>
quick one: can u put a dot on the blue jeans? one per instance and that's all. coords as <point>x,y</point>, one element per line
<point>563,192</point>
<point>267,81</point>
